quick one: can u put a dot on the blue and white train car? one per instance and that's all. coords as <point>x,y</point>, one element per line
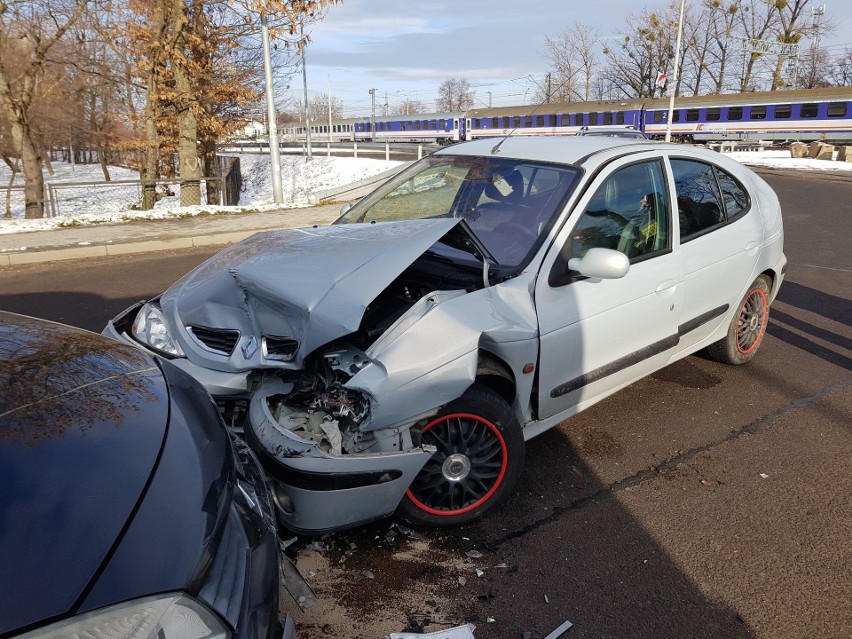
<point>551,119</point>
<point>440,128</point>
<point>807,115</point>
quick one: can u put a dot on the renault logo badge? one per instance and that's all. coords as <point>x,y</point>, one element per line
<point>250,347</point>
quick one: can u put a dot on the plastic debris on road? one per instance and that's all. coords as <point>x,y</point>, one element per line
<point>459,632</point>
<point>560,631</point>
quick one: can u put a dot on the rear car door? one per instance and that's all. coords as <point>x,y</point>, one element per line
<point>719,241</point>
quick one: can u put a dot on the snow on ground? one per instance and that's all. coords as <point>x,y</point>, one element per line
<point>300,179</point>
<point>781,160</point>
<point>86,204</point>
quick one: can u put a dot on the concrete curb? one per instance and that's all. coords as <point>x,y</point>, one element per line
<point>123,248</point>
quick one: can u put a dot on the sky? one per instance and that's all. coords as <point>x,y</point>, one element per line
<point>406,49</point>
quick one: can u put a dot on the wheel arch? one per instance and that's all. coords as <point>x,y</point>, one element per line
<point>493,372</point>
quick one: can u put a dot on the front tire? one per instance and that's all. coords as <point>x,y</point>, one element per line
<point>747,328</point>
<point>479,460</point>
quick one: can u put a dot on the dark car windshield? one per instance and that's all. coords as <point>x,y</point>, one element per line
<point>509,204</point>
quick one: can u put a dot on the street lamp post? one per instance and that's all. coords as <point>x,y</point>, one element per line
<point>305,86</point>
<point>373,116</point>
<point>676,71</point>
<point>274,151</point>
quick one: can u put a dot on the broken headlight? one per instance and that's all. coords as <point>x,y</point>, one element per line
<point>151,329</point>
<point>162,617</point>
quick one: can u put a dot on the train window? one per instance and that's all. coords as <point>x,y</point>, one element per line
<point>619,117</point>
<point>714,114</point>
<point>441,124</point>
<point>692,115</point>
<point>809,110</point>
<point>566,119</point>
<point>735,113</point>
<point>495,123</point>
<point>527,121</point>
<point>758,112</point>
<point>516,121</point>
<point>606,118</point>
<point>676,116</point>
<point>417,125</point>
<point>699,202</point>
<point>551,120</point>
<point>578,119</point>
<point>783,111</point>
<point>734,195</point>
<point>658,116</point>
<point>593,118</point>
<point>836,109</point>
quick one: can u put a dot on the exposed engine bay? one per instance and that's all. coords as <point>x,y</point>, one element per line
<point>319,407</point>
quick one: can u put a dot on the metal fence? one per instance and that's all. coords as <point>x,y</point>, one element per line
<point>77,198</point>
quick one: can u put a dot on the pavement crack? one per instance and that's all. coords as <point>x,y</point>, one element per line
<point>757,427</point>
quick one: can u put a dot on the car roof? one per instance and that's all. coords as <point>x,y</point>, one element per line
<point>566,149</point>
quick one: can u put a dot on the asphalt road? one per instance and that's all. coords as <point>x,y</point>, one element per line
<point>705,501</point>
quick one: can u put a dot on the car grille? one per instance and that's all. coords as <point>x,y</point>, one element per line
<point>280,348</point>
<point>216,339</point>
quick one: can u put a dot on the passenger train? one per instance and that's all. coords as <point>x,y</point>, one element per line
<point>805,114</point>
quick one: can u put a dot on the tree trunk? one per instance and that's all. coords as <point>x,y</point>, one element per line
<point>13,168</point>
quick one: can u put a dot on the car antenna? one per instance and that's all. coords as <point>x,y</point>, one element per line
<point>496,148</point>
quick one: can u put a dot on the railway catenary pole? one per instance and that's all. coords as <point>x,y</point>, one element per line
<point>308,150</point>
<point>675,75</point>
<point>373,116</point>
<point>274,151</point>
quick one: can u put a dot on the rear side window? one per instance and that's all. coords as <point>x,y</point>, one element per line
<point>699,202</point>
<point>733,194</point>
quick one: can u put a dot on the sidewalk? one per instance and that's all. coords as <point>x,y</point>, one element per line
<point>102,240</point>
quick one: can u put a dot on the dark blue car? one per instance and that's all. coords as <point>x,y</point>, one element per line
<point>126,509</point>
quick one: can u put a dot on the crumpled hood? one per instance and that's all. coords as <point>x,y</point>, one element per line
<point>310,284</point>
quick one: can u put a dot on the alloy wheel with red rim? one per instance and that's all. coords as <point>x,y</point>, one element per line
<point>467,468</point>
<point>751,322</point>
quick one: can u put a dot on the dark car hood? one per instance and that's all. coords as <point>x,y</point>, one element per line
<point>82,421</point>
<point>312,285</point>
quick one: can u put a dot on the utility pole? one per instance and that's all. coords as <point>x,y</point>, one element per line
<point>274,151</point>
<point>329,114</point>
<point>303,44</point>
<point>373,116</point>
<point>385,110</point>
<point>489,99</point>
<point>547,98</point>
<point>675,77</point>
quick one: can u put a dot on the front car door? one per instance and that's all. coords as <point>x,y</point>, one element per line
<point>599,335</point>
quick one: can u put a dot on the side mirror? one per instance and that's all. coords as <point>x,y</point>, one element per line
<point>602,263</point>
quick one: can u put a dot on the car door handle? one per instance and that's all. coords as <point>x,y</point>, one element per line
<point>752,246</point>
<point>666,285</point>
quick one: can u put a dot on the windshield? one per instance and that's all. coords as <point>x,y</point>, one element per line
<point>509,204</point>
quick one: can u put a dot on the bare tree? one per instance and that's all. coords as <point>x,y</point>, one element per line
<point>840,73</point>
<point>572,58</point>
<point>758,19</point>
<point>408,106</point>
<point>646,49</point>
<point>29,29</point>
<point>455,94</point>
<point>318,108</point>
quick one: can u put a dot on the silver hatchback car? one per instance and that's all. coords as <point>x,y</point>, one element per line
<point>397,360</point>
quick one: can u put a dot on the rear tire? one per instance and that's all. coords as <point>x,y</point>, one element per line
<point>479,460</point>
<point>747,328</point>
